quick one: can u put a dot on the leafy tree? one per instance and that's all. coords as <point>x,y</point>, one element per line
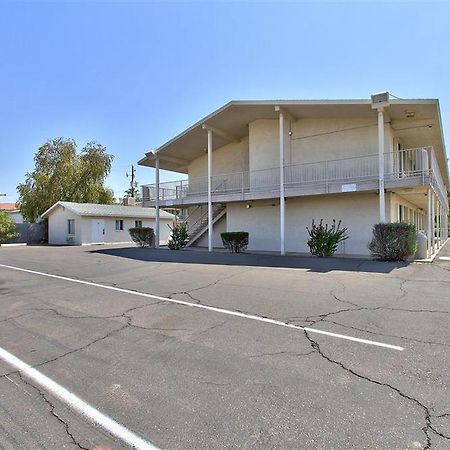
<point>134,191</point>
<point>61,173</point>
<point>7,227</point>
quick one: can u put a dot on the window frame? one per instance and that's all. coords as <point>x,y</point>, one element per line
<point>138,224</point>
<point>119,225</point>
<point>71,229</point>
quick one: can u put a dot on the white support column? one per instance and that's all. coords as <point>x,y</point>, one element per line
<point>210,214</point>
<point>381,165</point>
<point>429,222</point>
<point>439,228</point>
<point>157,233</point>
<point>433,224</point>
<point>282,199</point>
<point>445,225</point>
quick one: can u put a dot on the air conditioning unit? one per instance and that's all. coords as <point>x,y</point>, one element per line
<point>380,100</point>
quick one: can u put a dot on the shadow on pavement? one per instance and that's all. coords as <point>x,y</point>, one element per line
<point>253,260</point>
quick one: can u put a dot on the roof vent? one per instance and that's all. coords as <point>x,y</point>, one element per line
<point>380,100</point>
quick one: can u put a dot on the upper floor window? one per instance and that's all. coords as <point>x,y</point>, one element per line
<point>138,223</point>
<point>71,226</point>
<point>119,225</point>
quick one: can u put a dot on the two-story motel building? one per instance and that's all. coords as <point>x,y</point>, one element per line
<point>271,167</point>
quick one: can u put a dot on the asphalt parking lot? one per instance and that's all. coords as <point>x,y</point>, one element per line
<point>196,350</point>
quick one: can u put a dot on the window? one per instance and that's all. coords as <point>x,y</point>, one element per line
<point>119,225</point>
<point>71,226</point>
<point>138,223</point>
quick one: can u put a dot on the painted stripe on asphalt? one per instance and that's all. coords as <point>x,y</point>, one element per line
<point>445,258</point>
<point>212,308</point>
<point>76,403</point>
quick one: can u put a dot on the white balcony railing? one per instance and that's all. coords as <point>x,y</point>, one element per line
<point>418,162</point>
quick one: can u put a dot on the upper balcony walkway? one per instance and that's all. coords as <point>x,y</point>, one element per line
<point>403,169</point>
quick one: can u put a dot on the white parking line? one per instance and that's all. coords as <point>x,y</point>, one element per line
<point>76,403</point>
<point>212,308</point>
<point>445,258</point>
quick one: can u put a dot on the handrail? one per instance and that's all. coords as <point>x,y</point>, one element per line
<point>398,164</point>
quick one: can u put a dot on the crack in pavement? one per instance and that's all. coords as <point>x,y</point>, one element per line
<point>260,355</point>
<point>387,335</point>
<point>213,283</point>
<point>428,424</point>
<point>129,323</point>
<point>52,411</point>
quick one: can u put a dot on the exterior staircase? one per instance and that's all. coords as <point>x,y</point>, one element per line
<point>197,229</point>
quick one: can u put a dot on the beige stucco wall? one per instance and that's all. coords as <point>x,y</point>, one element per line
<point>219,227</point>
<point>230,158</point>
<point>313,140</point>
<point>358,212</point>
<point>58,227</point>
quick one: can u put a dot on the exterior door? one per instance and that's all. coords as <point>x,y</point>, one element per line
<point>98,231</point>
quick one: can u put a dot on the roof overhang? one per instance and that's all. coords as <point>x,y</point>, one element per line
<point>231,124</point>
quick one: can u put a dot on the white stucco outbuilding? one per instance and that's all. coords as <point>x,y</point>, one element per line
<point>72,223</point>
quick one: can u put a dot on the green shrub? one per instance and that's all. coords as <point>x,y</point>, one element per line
<point>7,227</point>
<point>179,237</point>
<point>143,236</point>
<point>393,241</point>
<point>235,241</point>
<point>324,239</point>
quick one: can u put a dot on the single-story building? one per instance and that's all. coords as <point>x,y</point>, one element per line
<point>13,211</point>
<point>72,223</point>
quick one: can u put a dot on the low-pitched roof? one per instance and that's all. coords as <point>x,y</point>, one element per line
<point>234,117</point>
<point>8,207</point>
<point>96,210</point>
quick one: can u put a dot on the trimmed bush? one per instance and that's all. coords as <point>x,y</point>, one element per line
<point>235,241</point>
<point>324,239</point>
<point>393,241</point>
<point>179,237</point>
<point>143,236</point>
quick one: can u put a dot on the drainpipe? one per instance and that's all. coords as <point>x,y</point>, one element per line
<point>282,199</point>
<point>210,215</point>
<point>157,201</point>
<point>381,164</point>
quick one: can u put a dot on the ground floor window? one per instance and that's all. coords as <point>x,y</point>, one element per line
<point>138,223</point>
<point>119,225</point>
<point>71,226</point>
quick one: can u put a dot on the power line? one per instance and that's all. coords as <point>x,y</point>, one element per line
<point>398,98</point>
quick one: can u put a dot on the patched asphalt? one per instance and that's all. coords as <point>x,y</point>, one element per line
<point>183,377</point>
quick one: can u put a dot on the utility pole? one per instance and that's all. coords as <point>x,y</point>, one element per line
<point>132,182</point>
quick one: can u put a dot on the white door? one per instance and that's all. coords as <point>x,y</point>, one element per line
<point>98,231</point>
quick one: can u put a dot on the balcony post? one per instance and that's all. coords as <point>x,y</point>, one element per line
<point>381,164</point>
<point>282,199</point>
<point>433,224</point>
<point>438,222</point>
<point>429,222</point>
<point>210,214</point>
<point>157,202</point>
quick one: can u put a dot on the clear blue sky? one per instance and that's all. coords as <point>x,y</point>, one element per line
<point>133,74</point>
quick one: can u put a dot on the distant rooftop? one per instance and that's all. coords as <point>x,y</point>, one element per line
<point>96,210</point>
<point>8,207</point>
